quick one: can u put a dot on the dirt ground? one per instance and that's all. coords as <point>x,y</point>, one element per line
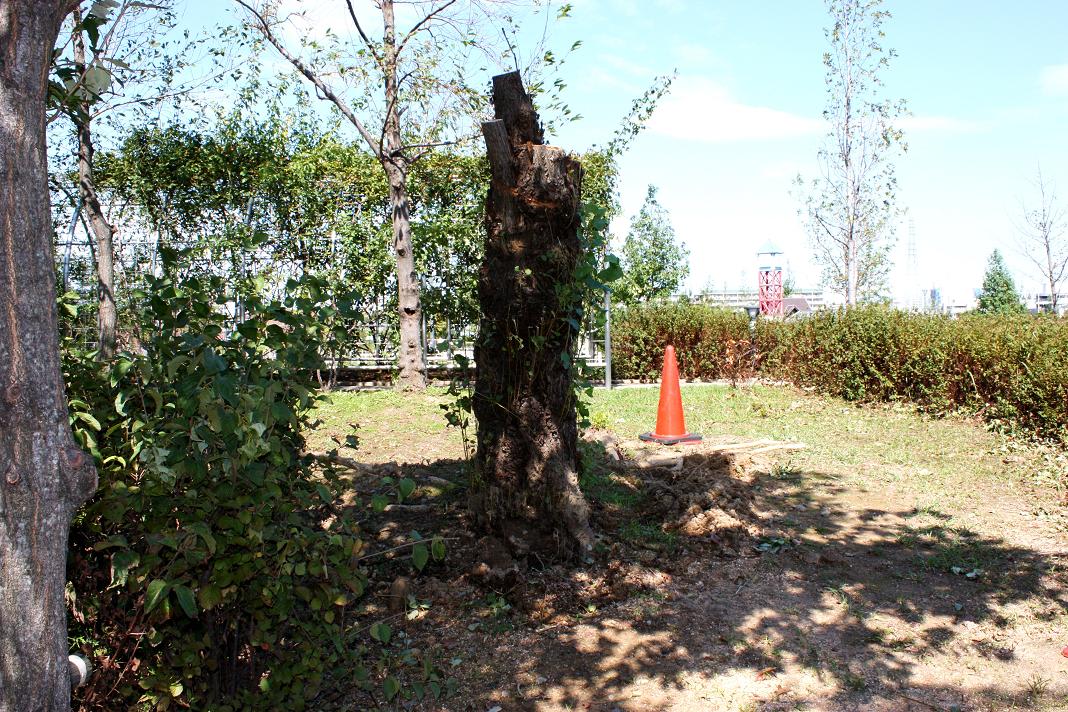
<point>742,582</point>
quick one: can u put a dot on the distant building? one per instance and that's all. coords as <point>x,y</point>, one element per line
<point>1043,303</point>
<point>813,299</point>
<point>795,305</point>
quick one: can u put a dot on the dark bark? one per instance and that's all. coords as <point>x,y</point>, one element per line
<point>44,477</point>
<point>526,464</point>
<point>103,232</point>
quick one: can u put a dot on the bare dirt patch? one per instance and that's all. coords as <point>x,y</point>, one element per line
<point>736,582</point>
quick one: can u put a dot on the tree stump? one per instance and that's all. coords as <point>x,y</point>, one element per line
<point>525,483</point>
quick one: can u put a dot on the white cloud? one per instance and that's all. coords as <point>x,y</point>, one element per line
<point>626,66</point>
<point>691,53</point>
<point>947,124</point>
<point>782,169</point>
<point>700,109</point>
<point>1054,80</point>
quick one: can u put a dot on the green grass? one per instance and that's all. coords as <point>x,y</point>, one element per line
<point>943,463</point>
<point>383,418</point>
<point>649,534</point>
<point>942,460</point>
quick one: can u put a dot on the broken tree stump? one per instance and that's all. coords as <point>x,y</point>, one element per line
<point>525,484</point>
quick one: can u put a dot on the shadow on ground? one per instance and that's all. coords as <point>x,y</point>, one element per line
<point>820,603</point>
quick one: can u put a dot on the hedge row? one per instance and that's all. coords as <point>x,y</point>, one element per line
<point>704,338</point>
<point>1007,368</point>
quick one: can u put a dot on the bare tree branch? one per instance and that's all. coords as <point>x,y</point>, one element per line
<point>363,35</point>
<point>429,17</point>
<point>265,29</point>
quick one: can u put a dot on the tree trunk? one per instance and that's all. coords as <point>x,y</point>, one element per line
<point>103,232</point>
<point>526,483</point>
<point>44,477</point>
<point>412,370</point>
<point>1051,272</point>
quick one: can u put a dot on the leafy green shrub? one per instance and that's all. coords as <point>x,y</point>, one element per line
<point>1007,368</point>
<point>212,569</point>
<point>704,337</point>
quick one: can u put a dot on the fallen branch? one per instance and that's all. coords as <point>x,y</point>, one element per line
<point>335,459</point>
<point>778,446</point>
<point>410,508</point>
<point>406,545</point>
<point>740,446</point>
<point>439,481</point>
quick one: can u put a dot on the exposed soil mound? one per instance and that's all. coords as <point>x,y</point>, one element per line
<point>705,496</point>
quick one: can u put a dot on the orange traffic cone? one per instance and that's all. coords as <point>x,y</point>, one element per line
<point>670,421</point>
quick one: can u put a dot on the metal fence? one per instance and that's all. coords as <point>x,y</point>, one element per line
<point>374,343</point>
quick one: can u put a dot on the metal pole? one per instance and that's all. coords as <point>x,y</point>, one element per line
<point>70,242</point>
<point>422,325</point>
<point>608,339</point>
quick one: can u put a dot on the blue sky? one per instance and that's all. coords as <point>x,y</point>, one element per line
<point>986,81</point>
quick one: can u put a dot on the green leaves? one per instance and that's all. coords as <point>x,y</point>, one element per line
<point>186,600</point>
<point>655,263</point>
<point>208,503</point>
<point>381,632</point>
<point>999,295</point>
<point>155,593</point>
<point>420,556</point>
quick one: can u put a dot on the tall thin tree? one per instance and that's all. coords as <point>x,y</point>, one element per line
<point>118,62</point>
<point>1043,238</point>
<point>44,476</point>
<point>849,209</point>
<point>406,65</point>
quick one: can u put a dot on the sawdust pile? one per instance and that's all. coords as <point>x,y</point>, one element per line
<point>706,496</point>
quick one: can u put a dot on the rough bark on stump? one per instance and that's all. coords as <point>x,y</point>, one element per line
<point>526,480</point>
<point>44,477</point>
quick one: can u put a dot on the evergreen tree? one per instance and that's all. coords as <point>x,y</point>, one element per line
<point>999,295</point>
<point>654,263</point>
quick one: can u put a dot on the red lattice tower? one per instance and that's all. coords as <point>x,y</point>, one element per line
<point>769,280</point>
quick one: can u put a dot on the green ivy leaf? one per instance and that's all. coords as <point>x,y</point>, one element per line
<point>186,600</point>
<point>405,488</point>
<point>156,591</point>
<point>89,420</point>
<point>390,687</point>
<point>437,548</point>
<point>381,632</point>
<point>210,596</point>
<point>121,563</point>
<point>213,363</point>
<point>420,556</point>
